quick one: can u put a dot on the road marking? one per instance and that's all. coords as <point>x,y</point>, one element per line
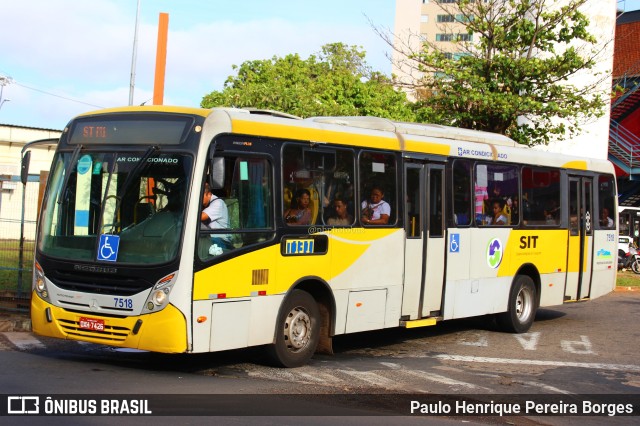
<point>528,341</point>
<point>547,387</point>
<point>594,365</point>
<point>480,342</point>
<point>392,365</point>
<point>372,378</point>
<point>437,378</point>
<point>583,347</point>
<point>23,340</point>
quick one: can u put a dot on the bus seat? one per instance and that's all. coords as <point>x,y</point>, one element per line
<point>314,203</point>
<point>142,211</point>
<point>507,212</point>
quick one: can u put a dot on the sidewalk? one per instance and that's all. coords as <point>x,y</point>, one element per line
<point>14,322</point>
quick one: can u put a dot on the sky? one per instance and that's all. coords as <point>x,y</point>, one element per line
<point>66,57</point>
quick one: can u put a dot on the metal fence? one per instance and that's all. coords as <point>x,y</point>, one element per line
<point>18,214</point>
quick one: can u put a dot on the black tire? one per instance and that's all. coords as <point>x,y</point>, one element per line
<point>635,266</point>
<point>522,306</point>
<point>297,331</point>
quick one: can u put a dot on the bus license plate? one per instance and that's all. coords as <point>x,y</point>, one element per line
<point>91,324</point>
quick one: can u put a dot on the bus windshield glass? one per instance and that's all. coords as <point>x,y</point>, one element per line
<point>119,207</point>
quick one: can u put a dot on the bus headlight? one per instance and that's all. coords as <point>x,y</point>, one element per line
<point>159,296</point>
<point>39,283</point>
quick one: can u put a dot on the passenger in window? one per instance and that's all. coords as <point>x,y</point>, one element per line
<point>376,211</point>
<point>605,220</point>
<point>341,216</point>
<point>215,216</point>
<point>551,212</point>
<point>498,218</point>
<point>299,213</point>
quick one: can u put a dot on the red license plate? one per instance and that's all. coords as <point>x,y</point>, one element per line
<point>91,324</point>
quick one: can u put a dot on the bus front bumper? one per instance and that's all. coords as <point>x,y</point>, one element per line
<point>163,331</point>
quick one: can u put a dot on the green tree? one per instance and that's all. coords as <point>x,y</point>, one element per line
<point>510,70</point>
<point>336,81</point>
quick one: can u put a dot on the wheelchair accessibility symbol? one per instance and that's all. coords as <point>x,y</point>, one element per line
<point>454,243</point>
<point>108,247</point>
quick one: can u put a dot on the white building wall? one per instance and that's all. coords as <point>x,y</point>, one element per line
<point>12,140</point>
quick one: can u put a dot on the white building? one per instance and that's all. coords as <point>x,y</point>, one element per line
<point>419,20</point>
<point>12,140</point>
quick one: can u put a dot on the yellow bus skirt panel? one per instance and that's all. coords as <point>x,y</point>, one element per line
<point>163,331</point>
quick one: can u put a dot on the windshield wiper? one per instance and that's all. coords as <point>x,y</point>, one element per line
<point>67,174</point>
<point>132,174</point>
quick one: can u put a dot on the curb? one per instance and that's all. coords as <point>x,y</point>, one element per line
<point>626,289</point>
<point>15,323</point>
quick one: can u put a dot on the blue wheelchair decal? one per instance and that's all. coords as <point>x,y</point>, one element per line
<point>108,247</point>
<point>454,243</point>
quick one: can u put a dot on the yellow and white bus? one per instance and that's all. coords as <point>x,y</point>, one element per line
<point>469,223</point>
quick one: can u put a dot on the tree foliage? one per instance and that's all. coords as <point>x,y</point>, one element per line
<point>336,81</point>
<point>511,77</point>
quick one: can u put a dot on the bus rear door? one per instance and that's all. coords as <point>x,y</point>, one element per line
<point>579,262</point>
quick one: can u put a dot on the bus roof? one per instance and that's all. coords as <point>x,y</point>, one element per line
<point>374,132</point>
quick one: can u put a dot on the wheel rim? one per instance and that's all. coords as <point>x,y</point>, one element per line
<point>297,329</point>
<point>524,304</point>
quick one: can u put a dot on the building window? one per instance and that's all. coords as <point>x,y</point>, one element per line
<point>424,18</point>
<point>446,18</point>
<point>444,37</point>
<point>454,37</point>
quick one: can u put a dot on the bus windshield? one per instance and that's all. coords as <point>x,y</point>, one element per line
<point>138,197</point>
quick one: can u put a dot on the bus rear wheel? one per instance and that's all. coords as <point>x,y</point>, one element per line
<point>522,306</point>
<point>297,331</point>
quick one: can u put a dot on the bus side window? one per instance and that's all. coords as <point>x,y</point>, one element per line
<point>497,182</point>
<point>462,192</point>
<point>378,188</point>
<point>541,196</point>
<point>606,202</point>
<point>242,209</point>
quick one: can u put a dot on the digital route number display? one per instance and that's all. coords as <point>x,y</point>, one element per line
<point>160,129</point>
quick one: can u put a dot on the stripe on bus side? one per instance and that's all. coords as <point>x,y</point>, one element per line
<point>234,277</point>
<point>294,131</point>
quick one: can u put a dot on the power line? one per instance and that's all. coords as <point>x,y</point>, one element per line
<point>57,96</point>
<point>6,80</point>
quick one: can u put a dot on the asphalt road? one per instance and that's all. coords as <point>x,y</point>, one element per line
<point>572,351</point>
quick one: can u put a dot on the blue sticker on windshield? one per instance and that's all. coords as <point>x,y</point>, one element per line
<point>108,247</point>
<point>84,164</point>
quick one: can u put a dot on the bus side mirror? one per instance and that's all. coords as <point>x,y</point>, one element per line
<point>216,174</point>
<point>24,168</point>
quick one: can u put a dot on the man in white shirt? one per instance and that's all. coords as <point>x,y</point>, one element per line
<point>215,216</point>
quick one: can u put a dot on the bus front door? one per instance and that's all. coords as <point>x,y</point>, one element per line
<point>425,242</point>
<point>579,262</point>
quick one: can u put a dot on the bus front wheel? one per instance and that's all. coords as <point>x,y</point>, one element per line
<point>297,332</point>
<point>522,306</point>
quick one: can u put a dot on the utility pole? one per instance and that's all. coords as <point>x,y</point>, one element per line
<point>132,81</point>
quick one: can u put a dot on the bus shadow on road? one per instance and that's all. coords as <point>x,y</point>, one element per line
<point>392,336</point>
